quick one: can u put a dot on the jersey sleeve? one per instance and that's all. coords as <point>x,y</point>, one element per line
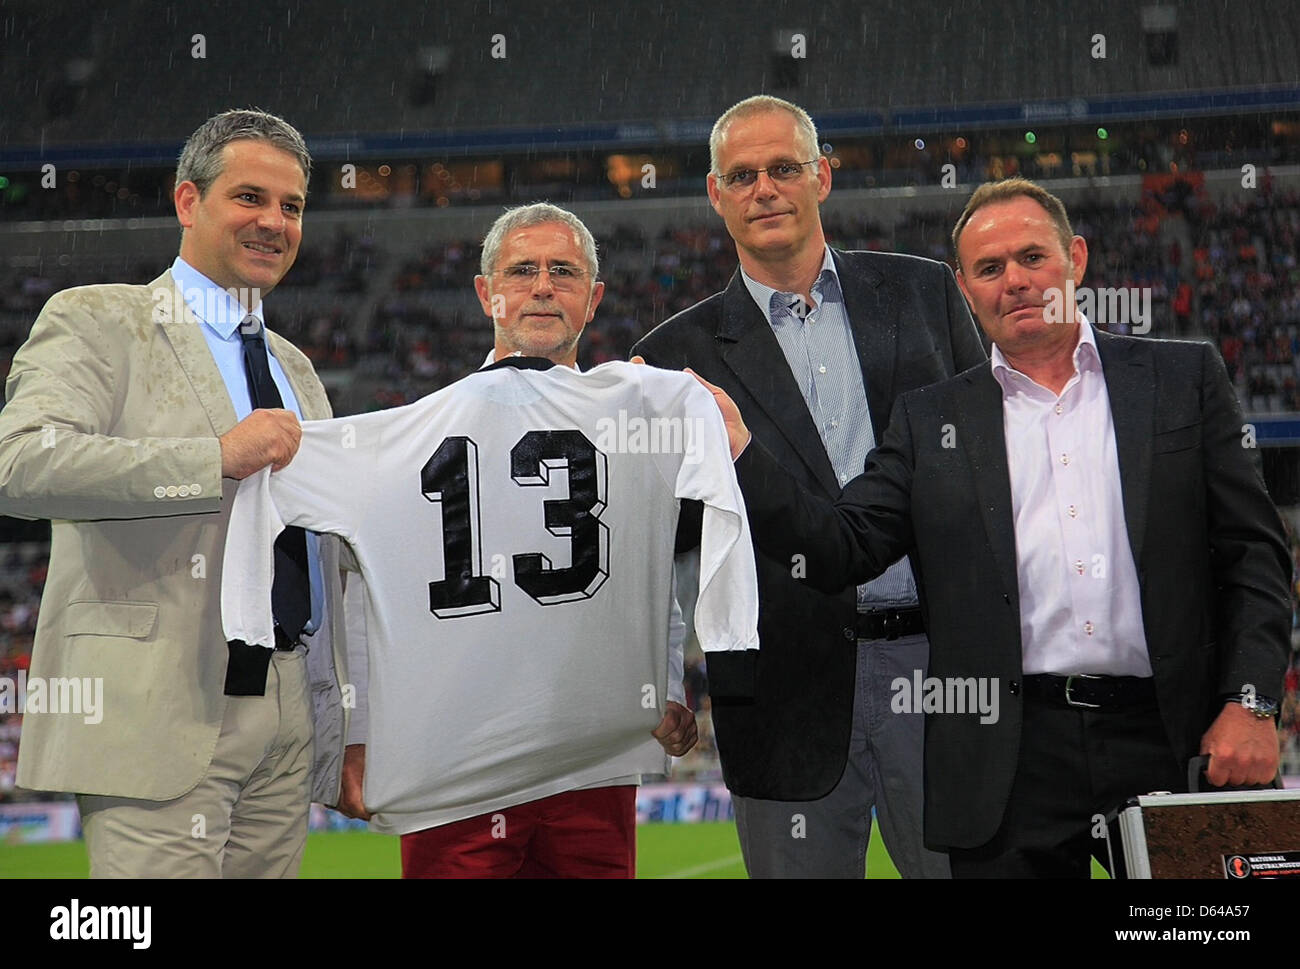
<point>726,610</point>
<point>248,562</point>
<point>324,488</point>
<point>327,485</point>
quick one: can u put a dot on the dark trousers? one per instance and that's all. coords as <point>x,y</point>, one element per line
<point>1075,765</point>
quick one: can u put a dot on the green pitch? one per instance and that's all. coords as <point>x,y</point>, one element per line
<point>706,850</point>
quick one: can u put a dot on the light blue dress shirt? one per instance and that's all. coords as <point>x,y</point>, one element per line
<point>818,344</point>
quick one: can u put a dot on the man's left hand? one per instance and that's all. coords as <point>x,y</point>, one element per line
<point>1243,748</point>
<point>354,773</point>
<point>676,732</point>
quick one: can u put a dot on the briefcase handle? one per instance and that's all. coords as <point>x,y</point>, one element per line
<point>1196,770</point>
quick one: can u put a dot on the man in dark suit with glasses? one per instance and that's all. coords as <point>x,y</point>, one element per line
<point>814,344</point>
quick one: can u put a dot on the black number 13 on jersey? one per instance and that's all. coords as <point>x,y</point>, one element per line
<point>451,478</point>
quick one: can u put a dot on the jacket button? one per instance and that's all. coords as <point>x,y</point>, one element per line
<point>1006,598</point>
<point>1014,687</point>
<point>849,633</point>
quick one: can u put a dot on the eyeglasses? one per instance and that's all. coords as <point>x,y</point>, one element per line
<point>747,177</point>
<point>524,275</point>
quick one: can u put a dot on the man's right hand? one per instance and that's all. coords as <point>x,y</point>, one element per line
<point>266,436</point>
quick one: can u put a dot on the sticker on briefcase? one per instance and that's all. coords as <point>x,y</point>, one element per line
<point>1277,864</point>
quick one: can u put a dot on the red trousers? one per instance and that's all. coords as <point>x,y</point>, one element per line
<point>577,834</point>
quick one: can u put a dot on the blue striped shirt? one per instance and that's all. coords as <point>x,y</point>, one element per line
<point>818,345</point>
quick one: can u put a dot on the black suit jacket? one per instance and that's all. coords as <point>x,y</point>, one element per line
<point>1212,561</point>
<point>912,327</point>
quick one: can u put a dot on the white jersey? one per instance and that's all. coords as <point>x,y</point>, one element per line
<point>515,532</point>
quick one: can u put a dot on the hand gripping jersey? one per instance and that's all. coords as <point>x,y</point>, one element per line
<point>515,531</point>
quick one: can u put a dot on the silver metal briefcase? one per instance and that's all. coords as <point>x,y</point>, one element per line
<point>1236,835</point>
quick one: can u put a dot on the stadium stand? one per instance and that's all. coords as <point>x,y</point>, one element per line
<point>344,68</point>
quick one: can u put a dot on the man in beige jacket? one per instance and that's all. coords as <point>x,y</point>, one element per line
<point>131,413</point>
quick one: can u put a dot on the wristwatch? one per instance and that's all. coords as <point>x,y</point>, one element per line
<point>1263,707</point>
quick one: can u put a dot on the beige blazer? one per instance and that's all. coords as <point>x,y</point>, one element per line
<point>114,407</point>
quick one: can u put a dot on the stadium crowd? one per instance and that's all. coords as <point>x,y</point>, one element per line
<point>1228,272</point>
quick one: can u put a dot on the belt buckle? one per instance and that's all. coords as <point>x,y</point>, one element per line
<point>1069,680</point>
<point>889,622</point>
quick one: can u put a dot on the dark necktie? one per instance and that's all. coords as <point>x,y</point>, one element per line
<point>291,587</point>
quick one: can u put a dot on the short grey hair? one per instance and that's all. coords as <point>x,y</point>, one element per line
<point>805,130</point>
<point>201,159</point>
<point>527,216</point>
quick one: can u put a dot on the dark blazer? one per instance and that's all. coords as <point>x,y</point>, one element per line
<point>1211,556</point>
<point>912,327</point>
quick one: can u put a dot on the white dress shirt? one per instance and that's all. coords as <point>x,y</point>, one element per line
<point>1080,606</point>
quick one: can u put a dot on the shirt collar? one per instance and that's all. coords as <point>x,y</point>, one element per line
<point>491,360</point>
<point>762,294</point>
<point>1085,357</point>
<point>211,303</point>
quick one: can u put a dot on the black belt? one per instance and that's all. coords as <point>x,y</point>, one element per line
<point>1088,692</point>
<point>888,623</point>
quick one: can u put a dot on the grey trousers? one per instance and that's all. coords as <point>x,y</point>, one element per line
<point>827,838</point>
